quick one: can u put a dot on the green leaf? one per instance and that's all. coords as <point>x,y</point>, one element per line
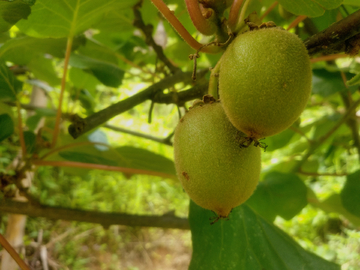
<point>354,81</point>
<point>86,158</point>
<point>333,204</point>
<point>62,18</point>
<point>9,85</point>
<point>43,69</point>
<point>11,12</point>
<point>309,7</point>
<point>107,73</point>
<point>83,80</point>
<point>6,126</point>
<point>246,241</point>
<point>22,50</point>
<point>350,194</point>
<point>30,141</point>
<point>33,121</point>
<point>279,140</point>
<point>282,194</point>
<point>138,158</point>
<point>326,83</point>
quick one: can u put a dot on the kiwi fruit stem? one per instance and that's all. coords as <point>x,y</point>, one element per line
<point>214,81</point>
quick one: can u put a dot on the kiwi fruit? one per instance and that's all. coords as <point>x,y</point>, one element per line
<point>264,81</point>
<point>214,170</point>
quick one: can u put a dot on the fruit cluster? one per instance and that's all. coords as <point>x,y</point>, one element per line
<point>264,85</point>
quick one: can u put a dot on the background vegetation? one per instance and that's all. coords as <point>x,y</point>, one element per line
<point>116,76</point>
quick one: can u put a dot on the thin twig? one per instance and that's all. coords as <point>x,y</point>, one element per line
<point>296,22</point>
<point>13,253</point>
<point>328,57</point>
<point>269,10</point>
<point>322,174</point>
<point>21,132</point>
<point>180,29</point>
<point>63,84</point>
<point>147,31</point>
<point>141,135</point>
<point>93,166</point>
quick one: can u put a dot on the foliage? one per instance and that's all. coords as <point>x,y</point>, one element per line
<point>95,60</point>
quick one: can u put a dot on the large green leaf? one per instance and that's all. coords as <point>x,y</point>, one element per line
<point>9,85</point>
<point>86,158</point>
<point>63,18</point>
<point>107,73</point>
<point>43,70</point>
<point>83,80</point>
<point>11,11</point>
<point>30,141</point>
<point>246,242</point>
<point>143,159</point>
<point>327,83</point>
<point>333,204</point>
<point>6,126</point>
<point>279,140</point>
<point>22,50</point>
<point>309,7</point>
<point>282,194</point>
<point>350,194</point>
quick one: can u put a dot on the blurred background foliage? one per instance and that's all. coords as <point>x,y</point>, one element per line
<point>111,61</point>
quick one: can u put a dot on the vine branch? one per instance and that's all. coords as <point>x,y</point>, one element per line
<point>153,92</point>
<point>337,37</point>
<point>105,219</point>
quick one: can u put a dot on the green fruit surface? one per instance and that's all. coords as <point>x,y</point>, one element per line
<point>215,172</point>
<point>265,81</point>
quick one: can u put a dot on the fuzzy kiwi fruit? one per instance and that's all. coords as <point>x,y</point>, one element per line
<point>264,81</point>
<point>214,170</point>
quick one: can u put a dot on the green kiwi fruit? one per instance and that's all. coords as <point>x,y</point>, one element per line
<point>215,171</point>
<point>264,81</point>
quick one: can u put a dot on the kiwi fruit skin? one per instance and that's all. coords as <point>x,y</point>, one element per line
<point>265,81</point>
<point>214,170</point>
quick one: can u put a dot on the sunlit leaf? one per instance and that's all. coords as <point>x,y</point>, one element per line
<point>246,241</point>
<point>62,18</point>
<point>309,7</point>
<point>24,49</point>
